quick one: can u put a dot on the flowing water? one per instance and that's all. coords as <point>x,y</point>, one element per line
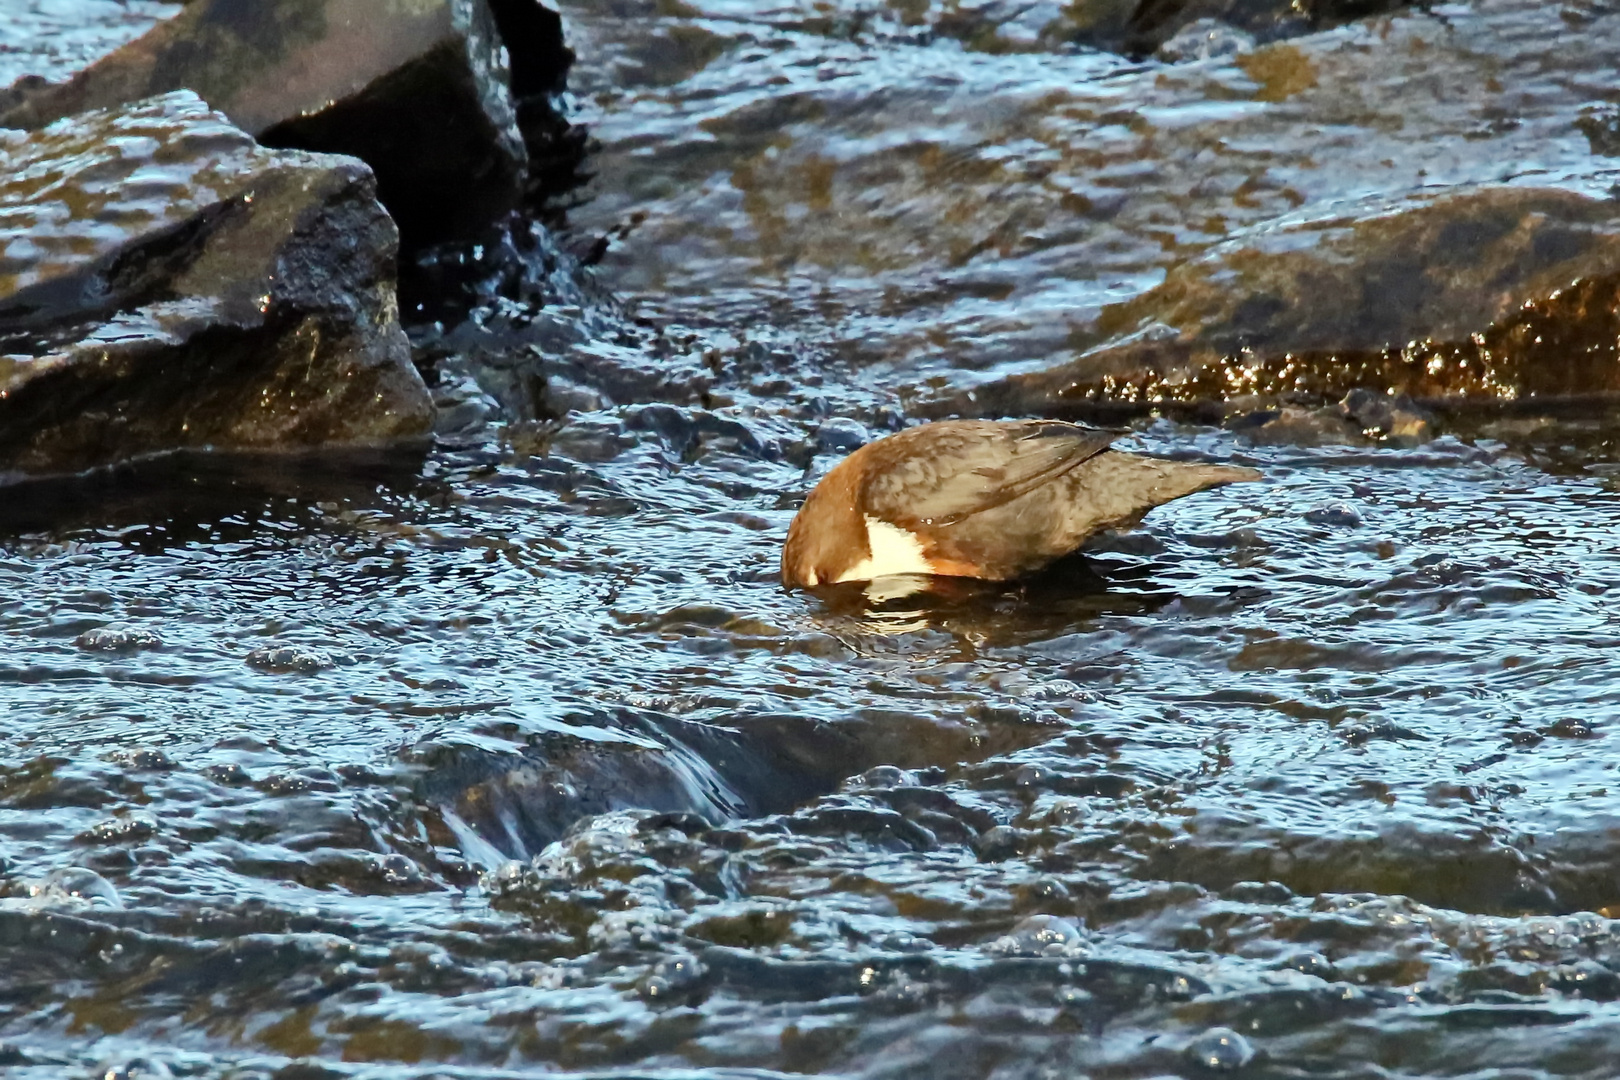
<point>511,758</point>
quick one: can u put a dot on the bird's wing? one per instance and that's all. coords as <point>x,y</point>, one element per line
<point>971,466</point>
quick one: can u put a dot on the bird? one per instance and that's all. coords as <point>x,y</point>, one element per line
<point>990,499</point>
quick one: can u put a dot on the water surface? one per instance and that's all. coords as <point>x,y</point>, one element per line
<point>512,758</point>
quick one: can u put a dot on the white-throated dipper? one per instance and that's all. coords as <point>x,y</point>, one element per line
<point>987,499</point>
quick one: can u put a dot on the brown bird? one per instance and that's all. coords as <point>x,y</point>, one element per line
<point>977,498</point>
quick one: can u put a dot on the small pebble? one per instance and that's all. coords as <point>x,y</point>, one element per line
<point>1336,515</point>
<point>396,869</point>
<point>228,773</point>
<point>1259,892</point>
<point>1000,842</point>
<point>285,659</point>
<point>840,436</point>
<point>117,639</point>
<point>146,758</point>
<point>1310,963</point>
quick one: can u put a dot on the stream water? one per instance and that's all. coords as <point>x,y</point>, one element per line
<point>512,758</point>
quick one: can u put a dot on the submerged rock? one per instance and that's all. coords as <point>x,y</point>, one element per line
<point>422,92</point>
<point>165,283</point>
<point>516,804</point>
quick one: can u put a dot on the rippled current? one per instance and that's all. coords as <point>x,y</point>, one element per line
<point>511,758</point>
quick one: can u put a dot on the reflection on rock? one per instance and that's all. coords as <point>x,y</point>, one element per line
<point>168,284</point>
<point>420,92</point>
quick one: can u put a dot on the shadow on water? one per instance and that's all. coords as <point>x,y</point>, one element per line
<point>193,497</point>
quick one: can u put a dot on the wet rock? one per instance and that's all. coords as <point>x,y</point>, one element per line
<point>840,435</point>
<point>1397,418</point>
<point>229,773</point>
<point>1204,39</point>
<point>1334,515</point>
<point>423,93</point>
<point>117,639</point>
<point>396,870</point>
<point>1259,892</point>
<point>1571,728</point>
<point>291,659</point>
<point>1294,426</point>
<point>167,284</point>
<point>1311,963</point>
<point>1000,842</point>
<point>1464,296</point>
<point>144,758</point>
<point>120,830</point>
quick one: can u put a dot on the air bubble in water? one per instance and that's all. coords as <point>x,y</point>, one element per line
<point>1220,1050</point>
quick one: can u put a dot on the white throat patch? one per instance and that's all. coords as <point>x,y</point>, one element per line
<point>894,551</point>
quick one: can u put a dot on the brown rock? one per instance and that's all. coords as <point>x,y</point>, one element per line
<point>1492,295</point>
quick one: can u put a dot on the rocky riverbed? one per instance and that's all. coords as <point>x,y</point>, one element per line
<point>505,755</point>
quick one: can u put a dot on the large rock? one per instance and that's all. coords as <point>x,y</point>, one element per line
<point>1485,296</point>
<point>422,92</point>
<point>167,283</point>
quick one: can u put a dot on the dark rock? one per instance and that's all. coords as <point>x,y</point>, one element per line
<point>291,659</point>
<point>1334,515</point>
<point>1295,426</point>
<point>167,284</point>
<point>1000,842</point>
<point>1570,728</point>
<point>117,639</point>
<point>420,92</point>
<point>1465,297</point>
<point>840,435</point>
<point>1395,418</point>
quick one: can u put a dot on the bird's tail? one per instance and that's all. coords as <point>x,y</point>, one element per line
<point>1122,487</point>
